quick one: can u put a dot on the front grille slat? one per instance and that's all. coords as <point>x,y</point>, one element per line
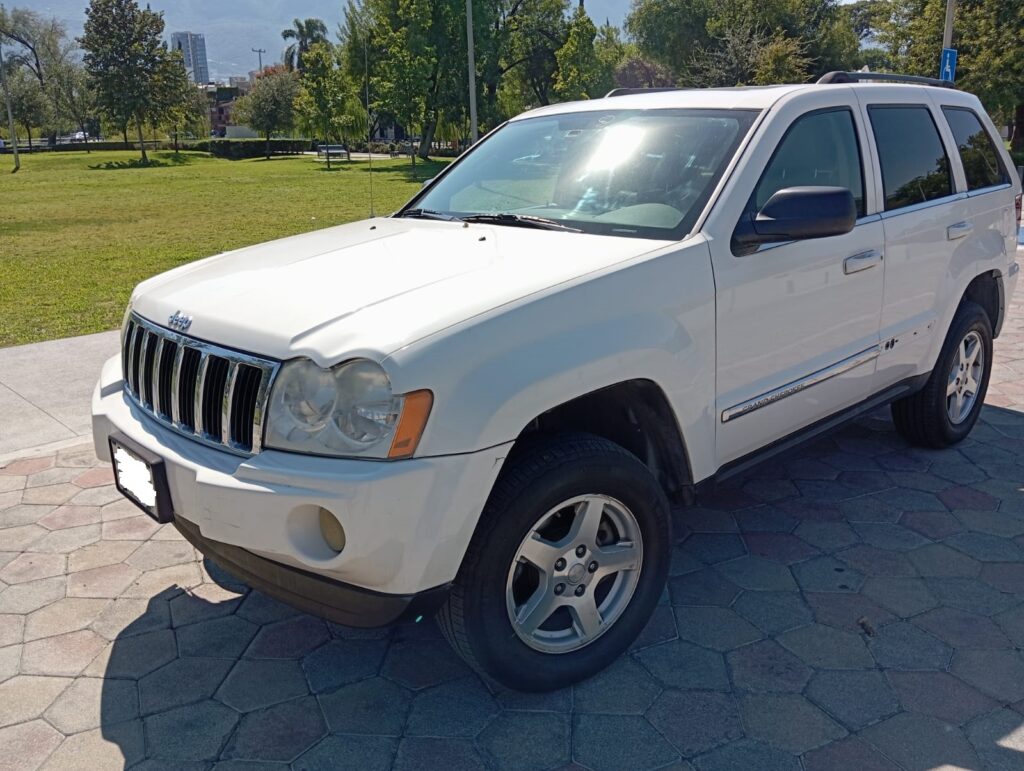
<point>213,394</point>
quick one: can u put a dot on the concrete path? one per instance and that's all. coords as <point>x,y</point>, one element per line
<point>858,604</point>
<point>45,391</point>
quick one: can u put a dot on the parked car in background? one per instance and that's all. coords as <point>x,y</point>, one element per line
<point>484,405</point>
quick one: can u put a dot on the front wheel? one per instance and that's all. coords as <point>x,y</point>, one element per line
<point>946,409</point>
<point>565,568</point>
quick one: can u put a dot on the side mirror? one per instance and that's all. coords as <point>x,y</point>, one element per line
<point>426,182</point>
<point>797,213</point>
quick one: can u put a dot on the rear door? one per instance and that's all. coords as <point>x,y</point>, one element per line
<point>797,322</point>
<point>919,205</point>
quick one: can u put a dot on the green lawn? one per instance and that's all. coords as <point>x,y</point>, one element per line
<point>78,231</point>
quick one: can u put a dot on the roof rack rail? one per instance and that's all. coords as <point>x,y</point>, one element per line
<point>839,76</point>
<point>629,91</point>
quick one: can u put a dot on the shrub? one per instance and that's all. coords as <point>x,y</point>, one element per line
<point>236,149</point>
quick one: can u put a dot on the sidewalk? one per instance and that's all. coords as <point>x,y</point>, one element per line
<point>45,391</point>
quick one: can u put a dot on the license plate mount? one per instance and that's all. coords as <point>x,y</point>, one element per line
<point>141,477</point>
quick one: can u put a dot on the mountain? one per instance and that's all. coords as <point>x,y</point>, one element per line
<point>234,27</point>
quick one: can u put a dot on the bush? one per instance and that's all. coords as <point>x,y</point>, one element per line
<point>236,149</point>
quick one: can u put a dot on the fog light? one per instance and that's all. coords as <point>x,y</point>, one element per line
<point>332,530</point>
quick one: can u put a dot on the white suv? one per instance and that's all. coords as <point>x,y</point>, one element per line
<point>484,404</point>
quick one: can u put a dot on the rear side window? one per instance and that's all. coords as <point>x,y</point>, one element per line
<point>915,168</point>
<point>820,149</point>
<point>979,156</point>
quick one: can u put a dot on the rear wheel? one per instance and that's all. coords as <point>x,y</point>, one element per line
<point>946,409</point>
<point>565,568</point>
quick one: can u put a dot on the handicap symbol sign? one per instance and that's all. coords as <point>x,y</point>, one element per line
<point>947,64</point>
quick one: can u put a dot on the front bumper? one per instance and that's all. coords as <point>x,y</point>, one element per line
<point>407,523</point>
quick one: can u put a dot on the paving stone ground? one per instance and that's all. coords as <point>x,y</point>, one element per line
<point>856,605</point>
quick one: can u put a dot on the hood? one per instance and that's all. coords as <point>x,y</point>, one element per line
<point>370,287</point>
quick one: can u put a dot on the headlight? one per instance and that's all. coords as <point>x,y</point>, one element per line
<point>345,410</point>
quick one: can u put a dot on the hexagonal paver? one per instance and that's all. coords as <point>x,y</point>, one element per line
<point>773,612</point>
<point>847,753</point>
<point>901,645</point>
<point>852,612</point>
<point>90,702</point>
<point>100,554</point>
<point>935,525</point>
<point>12,629</point>
<point>193,732</point>
<point>747,754</point>
<point>680,664</point>
<point>1004,576</point>
<point>903,596</point>
<point>126,617</point>
<point>367,753</point>
<point>612,742</point>
<point>970,594</point>
<point>119,745</point>
<point>203,603</point>
<point>161,554</point>
<point>940,695</point>
<point>547,745</point>
<point>134,528</point>
<point>827,535</point>
<point>30,743</point>
<point>423,664</point>
<point>766,667</point>
<point>457,708</point>
<point>66,654</point>
<point>921,741</point>
<point>827,574</point>
<point>372,706</point>
<point>718,628</point>
<point>109,581</point>
<point>67,615</point>
<point>781,547</point>
<point>939,560</point>
<point>872,561</point>
<point>788,721</point>
<point>134,657</point>
<point>293,638</point>
<point>32,567</point>
<point>257,684</point>
<point>962,629</point>
<point>225,637</point>
<point>340,662</point>
<point>696,721</point>
<point>757,573</point>
<point>985,548</point>
<point>999,674</point>
<point>182,681</point>
<point>25,697</point>
<point>280,733</point>
<point>25,598</point>
<point>703,587</point>
<point>827,648</point>
<point>415,753</point>
<point>998,739</point>
<point>855,699</point>
<point>624,688</point>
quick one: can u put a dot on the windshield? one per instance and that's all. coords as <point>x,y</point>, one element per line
<point>643,173</point>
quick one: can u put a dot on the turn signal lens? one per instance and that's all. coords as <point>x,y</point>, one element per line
<point>415,411</point>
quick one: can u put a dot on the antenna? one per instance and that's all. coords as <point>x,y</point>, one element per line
<point>259,52</point>
<point>369,123</point>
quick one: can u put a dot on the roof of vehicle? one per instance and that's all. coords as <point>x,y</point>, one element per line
<point>743,97</point>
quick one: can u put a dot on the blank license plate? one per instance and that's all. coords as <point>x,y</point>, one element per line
<point>141,480</point>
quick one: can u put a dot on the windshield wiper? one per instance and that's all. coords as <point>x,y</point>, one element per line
<point>429,214</point>
<point>521,220</point>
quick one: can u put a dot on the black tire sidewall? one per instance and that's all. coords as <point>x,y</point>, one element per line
<point>495,644</point>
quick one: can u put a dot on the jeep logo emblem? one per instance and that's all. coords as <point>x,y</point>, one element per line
<point>179,321</point>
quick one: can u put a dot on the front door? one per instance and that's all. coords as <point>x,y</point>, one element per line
<point>797,322</point>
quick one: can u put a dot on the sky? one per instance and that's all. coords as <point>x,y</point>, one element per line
<point>234,27</point>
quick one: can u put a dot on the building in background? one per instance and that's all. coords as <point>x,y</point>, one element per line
<point>193,50</point>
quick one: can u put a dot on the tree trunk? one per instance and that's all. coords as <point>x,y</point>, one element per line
<point>1017,144</point>
<point>142,139</point>
<point>327,145</point>
<point>124,133</point>
<point>175,141</point>
<point>428,138</point>
<point>28,130</point>
<point>268,146</point>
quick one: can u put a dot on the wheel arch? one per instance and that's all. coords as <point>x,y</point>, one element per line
<point>634,414</point>
<point>987,290</point>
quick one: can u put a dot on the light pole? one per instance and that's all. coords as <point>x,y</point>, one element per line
<point>947,32</point>
<point>259,52</point>
<point>10,113</point>
<point>474,131</point>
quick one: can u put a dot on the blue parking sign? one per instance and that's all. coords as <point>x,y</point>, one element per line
<point>947,65</point>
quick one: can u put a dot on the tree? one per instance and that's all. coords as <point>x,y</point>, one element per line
<point>128,64</point>
<point>635,71</point>
<point>270,106</point>
<point>28,102</point>
<point>581,74</point>
<point>306,34</point>
<point>327,103</point>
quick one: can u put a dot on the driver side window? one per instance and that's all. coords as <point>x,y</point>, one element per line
<point>819,149</point>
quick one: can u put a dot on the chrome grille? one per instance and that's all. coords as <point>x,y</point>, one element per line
<point>213,394</point>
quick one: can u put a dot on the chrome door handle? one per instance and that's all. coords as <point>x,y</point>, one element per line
<point>861,261</point>
<point>959,230</point>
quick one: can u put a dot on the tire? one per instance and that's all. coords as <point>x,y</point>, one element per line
<point>565,482</point>
<point>924,418</point>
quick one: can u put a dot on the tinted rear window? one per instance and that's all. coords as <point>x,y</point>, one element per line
<point>915,168</point>
<point>979,156</point>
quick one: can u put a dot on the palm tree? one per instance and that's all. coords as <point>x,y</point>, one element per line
<point>304,34</point>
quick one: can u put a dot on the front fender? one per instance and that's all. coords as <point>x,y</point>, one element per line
<point>652,318</point>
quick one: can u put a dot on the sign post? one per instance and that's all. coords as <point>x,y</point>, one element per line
<point>947,64</point>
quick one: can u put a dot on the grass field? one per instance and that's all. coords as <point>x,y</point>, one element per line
<point>78,231</point>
